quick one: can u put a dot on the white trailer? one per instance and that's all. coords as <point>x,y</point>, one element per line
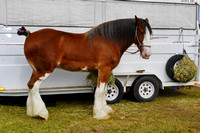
<point>175,26</point>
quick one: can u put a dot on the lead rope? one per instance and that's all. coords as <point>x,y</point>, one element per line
<point>139,43</point>
<point>132,52</point>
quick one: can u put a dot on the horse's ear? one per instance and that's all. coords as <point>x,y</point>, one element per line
<point>147,19</point>
<point>138,21</point>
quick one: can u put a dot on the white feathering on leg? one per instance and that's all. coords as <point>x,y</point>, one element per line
<point>101,109</point>
<point>35,104</point>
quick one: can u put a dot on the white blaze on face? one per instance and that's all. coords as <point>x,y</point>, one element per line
<point>146,53</point>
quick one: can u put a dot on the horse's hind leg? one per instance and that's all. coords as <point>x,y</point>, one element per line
<point>101,109</point>
<point>35,104</point>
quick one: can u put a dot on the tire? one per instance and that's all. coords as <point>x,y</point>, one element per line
<point>114,93</point>
<point>145,89</point>
<point>171,63</point>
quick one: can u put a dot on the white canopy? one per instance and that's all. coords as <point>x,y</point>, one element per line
<point>90,13</point>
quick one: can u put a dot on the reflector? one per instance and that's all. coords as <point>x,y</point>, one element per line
<point>2,88</point>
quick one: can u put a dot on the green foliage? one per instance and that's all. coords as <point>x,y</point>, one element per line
<point>186,70</point>
<point>93,77</point>
<point>173,111</point>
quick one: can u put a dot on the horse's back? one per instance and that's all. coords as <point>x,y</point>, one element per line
<point>41,36</point>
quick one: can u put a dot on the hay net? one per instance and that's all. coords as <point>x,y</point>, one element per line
<point>186,70</point>
<point>92,78</point>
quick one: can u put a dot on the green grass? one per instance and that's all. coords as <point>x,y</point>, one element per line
<point>173,111</point>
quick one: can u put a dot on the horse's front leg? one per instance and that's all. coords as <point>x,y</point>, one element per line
<point>101,109</point>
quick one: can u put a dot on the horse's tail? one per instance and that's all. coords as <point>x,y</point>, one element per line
<point>23,31</point>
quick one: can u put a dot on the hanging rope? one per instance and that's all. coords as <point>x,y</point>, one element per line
<point>181,37</point>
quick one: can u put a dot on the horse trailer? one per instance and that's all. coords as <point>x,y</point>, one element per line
<point>175,27</point>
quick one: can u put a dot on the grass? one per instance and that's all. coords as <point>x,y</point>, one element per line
<point>173,111</point>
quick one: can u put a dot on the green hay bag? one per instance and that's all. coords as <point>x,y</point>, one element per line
<point>186,70</point>
<point>93,76</point>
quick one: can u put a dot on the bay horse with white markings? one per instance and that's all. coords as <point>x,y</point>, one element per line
<point>99,49</point>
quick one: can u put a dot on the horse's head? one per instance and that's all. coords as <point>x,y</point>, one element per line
<point>142,37</point>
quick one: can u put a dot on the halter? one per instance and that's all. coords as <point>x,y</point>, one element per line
<point>140,44</point>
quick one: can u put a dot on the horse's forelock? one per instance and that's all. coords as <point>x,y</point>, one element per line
<point>146,24</point>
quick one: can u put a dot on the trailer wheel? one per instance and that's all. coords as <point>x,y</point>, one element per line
<point>145,89</point>
<point>171,64</point>
<point>114,92</point>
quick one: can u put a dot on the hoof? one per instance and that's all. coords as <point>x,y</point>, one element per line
<point>43,115</point>
<point>108,109</point>
<point>101,116</point>
<point>105,118</point>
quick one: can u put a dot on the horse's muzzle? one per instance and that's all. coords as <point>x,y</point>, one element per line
<point>146,53</point>
<point>145,57</point>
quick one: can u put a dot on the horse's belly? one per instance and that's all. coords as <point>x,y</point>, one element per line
<point>77,66</point>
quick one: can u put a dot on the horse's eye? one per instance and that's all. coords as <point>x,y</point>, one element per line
<point>141,32</point>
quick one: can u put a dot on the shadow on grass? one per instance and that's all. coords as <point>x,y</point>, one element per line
<point>169,92</point>
<point>50,100</point>
<point>16,101</point>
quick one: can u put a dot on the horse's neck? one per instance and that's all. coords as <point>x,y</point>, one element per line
<point>123,47</point>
